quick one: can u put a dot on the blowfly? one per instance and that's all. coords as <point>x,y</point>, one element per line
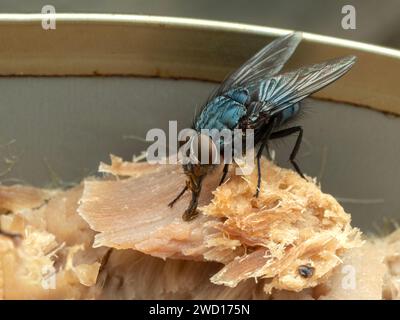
<point>257,96</point>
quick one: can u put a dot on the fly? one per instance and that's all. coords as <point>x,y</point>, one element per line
<point>306,271</point>
<point>257,96</point>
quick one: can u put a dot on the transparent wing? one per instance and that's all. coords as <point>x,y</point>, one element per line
<point>282,91</point>
<point>266,63</point>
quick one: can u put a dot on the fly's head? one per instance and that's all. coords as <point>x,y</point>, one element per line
<point>201,159</point>
<point>195,174</point>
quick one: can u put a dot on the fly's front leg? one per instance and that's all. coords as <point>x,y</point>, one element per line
<point>224,173</point>
<point>286,132</point>
<point>171,204</point>
<point>191,212</point>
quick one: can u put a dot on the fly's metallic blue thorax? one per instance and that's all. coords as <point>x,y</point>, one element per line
<point>224,111</point>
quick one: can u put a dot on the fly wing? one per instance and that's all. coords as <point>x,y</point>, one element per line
<point>266,63</point>
<point>282,91</point>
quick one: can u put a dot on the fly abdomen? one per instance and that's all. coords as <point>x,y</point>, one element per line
<point>287,114</point>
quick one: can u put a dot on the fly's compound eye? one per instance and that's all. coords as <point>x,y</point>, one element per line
<point>203,150</point>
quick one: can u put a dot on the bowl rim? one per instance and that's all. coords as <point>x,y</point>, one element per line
<point>74,52</point>
<point>205,24</point>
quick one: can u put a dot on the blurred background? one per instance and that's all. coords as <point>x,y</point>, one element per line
<point>377,21</point>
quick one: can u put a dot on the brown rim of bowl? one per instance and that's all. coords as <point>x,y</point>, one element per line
<point>183,48</point>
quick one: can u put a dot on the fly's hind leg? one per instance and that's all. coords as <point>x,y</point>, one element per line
<point>171,204</point>
<point>286,132</point>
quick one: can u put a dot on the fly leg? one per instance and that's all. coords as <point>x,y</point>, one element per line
<point>191,212</point>
<point>286,132</point>
<point>224,173</point>
<point>264,144</point>
<point>194,184</point>
<point>171,204</point>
